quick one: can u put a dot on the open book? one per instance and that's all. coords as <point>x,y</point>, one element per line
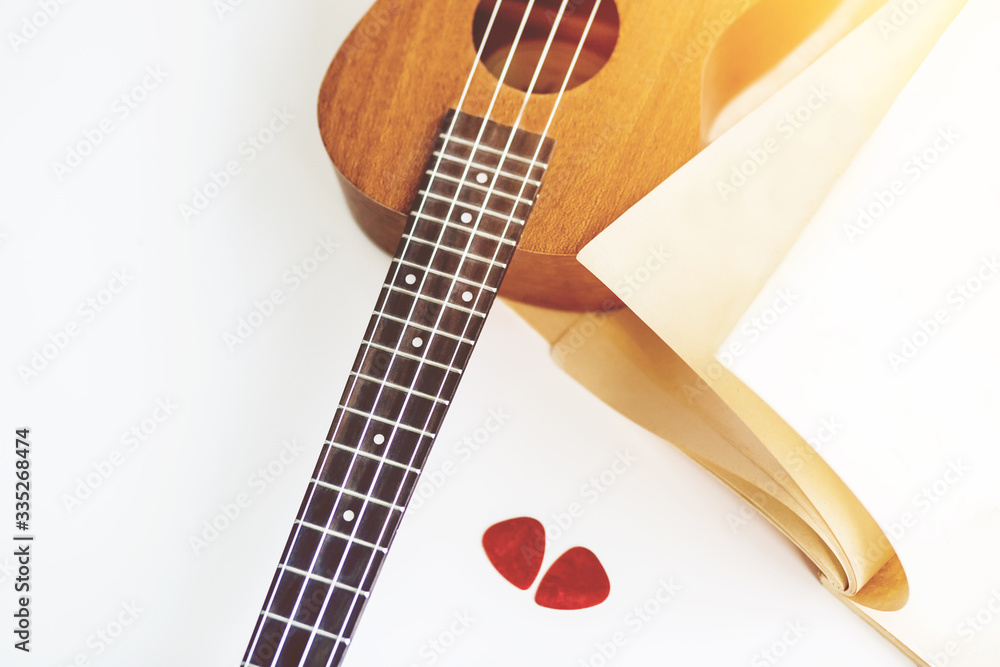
<point>823,335</point>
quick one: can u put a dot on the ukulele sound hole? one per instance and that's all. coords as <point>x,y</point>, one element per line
<point>600,41</point>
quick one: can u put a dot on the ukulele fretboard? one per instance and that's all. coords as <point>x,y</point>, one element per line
<point>470,209</point>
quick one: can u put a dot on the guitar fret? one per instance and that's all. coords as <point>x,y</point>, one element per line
<point>465,228</point>
<point>434,317</point>
<point>484,167</point>
<point>395,405</point>
<point>392,385</point>
<point>446,304</point>
<point>470,283</point>
<point>405,371</point>
<point>412,357</point>
<point>362,413</point>
<point>482,188</point>
<point>327,554</point>
<point>303,626</point>
<point>431,330</point>
<point>345,514</point>
<point>454,200</point>
<point>355,494</point>
<point>342,536</point>
<point>366,522</point>
<point>324,580</point>
<point>489,149</point>
<point>374,457</point>
<point>467,255</point>
<point>370,481</point>
<point>453,225</point>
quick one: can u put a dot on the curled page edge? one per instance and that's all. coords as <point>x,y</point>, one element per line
<point>738,222</point>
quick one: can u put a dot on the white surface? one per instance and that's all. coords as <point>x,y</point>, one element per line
<point>162,337</point>
<point>891,331</point>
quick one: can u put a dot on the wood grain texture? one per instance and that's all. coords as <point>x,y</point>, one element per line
<point>617,136</point>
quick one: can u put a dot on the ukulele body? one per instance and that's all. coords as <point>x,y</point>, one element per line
<point>618,135</point>
<point>407,63</point>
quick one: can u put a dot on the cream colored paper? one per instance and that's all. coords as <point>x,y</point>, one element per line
<point>731,214</point>
<point>726,234</point>
<point>894,330</point>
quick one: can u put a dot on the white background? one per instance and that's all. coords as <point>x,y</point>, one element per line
<point>162,338</point>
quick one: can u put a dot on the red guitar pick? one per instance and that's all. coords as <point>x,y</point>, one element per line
<point>516,548</point>
<point>576,580</point>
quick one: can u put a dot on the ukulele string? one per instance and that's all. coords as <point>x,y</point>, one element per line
<point>448,136</point>
<point>510,217</point>
<point>565,84</point>
<point>475,227</point>
<point>336,427</point>
<point>379,314</point>
<point>541,141</point>
<point>538,71</point>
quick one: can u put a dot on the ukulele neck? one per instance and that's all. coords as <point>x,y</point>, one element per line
<point>473,201</point>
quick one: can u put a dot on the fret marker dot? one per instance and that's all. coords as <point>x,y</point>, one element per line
<point>348,516</point>
<point>417,342</point>
<point>467,297</point>
<point>410,279</point>
<point>379,439</point>
<point>482,178</point>
<point>466,218</point>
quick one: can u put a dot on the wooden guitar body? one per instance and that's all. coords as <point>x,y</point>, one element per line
<point>618,135</point>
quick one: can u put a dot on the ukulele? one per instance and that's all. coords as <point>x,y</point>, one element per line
<point>476,116</point>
